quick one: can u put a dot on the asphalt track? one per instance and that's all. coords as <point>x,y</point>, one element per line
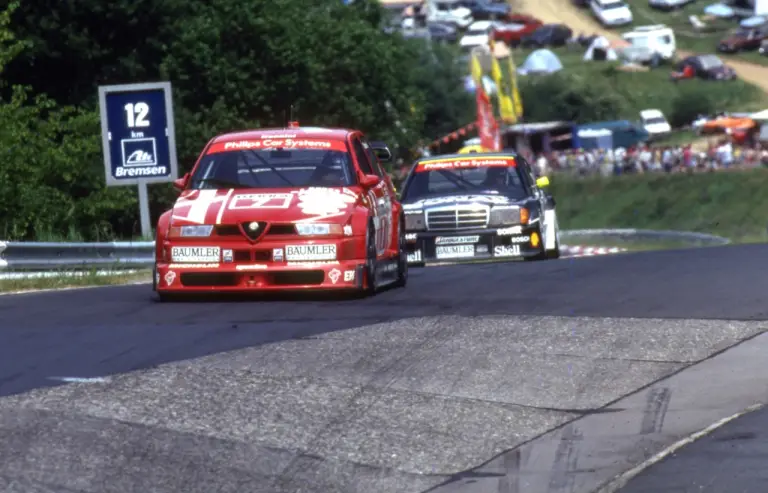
<point>526,377</point>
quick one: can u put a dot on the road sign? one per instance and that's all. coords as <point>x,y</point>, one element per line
<point>138,138</point>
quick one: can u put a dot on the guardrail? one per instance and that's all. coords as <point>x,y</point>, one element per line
<point>41,256</point>
<point>53,256</point>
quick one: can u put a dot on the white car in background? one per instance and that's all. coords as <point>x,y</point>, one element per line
<point>655,123</point>
<point>611,12</point>
<point>478,34</point>
<point>668,4</point>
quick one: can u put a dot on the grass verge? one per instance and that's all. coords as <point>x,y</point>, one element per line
<point>732,204</point>
<point>70,279</point>
<point>595,91</point>
<point>632,245</point>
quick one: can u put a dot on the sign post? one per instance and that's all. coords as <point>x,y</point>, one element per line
<point>138,138</point>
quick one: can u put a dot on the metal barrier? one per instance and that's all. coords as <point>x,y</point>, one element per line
<point>53,256</point>
<point>131,255</point>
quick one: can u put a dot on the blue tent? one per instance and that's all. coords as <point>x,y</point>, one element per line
<point>541,62</point>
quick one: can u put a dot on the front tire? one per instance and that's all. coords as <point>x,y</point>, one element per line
<point>369,287</point>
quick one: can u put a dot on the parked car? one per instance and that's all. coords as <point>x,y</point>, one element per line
<point>449,12</point>
<point>478,34</point>
<point>438,32</point>
<point>519,25</point>
<point>485,9</point>
<point>655,123</point>
<point>744,38</point>
<point>668,4</point>
<point>709,67</point>
<point>547,35</point>
<point>611,12</point>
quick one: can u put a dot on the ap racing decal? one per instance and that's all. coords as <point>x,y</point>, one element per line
<point>462,163</point>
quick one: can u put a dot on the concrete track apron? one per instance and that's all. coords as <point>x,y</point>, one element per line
<point>414,389</point>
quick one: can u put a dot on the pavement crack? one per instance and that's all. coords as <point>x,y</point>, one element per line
<point>633,360</point>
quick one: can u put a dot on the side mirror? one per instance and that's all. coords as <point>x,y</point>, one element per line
<point>369,181</point>
<point>542,182</point>
<point>382,151</point>
<point>181,183</point>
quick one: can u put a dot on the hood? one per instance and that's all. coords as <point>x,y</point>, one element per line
<point>474,40</point>
<point>615,14</point>
<point>461,12</point>
<point>274,205</point>
<point>658,128</point>
<point>464,199</point>
<point>732,40</point>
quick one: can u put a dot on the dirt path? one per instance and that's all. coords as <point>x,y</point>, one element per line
<point>563,11</point>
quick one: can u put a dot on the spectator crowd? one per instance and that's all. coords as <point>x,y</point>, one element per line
<point>644,159</point>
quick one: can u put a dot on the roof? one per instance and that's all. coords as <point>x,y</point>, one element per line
<point>471,155</point>
<point>615,125</point>
<point>478,25</point>
<point>651,113</point>
<point>305,132</point>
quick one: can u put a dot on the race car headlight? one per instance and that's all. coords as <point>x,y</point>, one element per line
<point>311,229</point>
<point>414,221</point>
<point>502,216</point>
<point>190,231</point>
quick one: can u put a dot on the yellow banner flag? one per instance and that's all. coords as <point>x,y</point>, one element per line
<point>506,108</point>
<point>476,69</point>
<point>516,99</point>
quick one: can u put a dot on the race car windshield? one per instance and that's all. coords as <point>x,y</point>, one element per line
<point>504,181</point>
<point>274,168</point>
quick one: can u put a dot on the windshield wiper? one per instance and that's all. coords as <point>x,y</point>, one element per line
<point>458,180</point>
<point>220,182</point>
<point>250,168</point>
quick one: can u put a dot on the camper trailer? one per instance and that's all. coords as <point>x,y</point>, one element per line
<point>650,44</point>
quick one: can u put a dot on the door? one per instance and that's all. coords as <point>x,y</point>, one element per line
<point>379,199</point>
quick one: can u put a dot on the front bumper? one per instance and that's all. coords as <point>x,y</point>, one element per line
<point>263,266</point>
<point>510,243</point>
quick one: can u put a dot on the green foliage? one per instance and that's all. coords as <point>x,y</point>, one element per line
<point>595,91</point>
<point>730,204</point>
<point>50,177</point>
<point>234,64</point>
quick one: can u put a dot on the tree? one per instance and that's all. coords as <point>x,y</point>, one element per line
<point>49,167</point>
<point>234,64</point>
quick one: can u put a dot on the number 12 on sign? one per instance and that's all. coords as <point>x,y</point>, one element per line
<point>136,114</point>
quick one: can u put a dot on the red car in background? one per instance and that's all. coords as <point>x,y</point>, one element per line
<point>515,27</point>
<point>283,209</point>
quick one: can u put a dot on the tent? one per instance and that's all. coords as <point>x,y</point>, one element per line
<point>540,62</point>
<point>600,50</point>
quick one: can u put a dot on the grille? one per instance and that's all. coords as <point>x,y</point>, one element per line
<point>457,218</point>
<point>254,235</point>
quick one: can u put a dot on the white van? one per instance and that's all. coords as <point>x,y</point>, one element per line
<point>448,12</point>
<point>649,43</point>
<point>655,123</point>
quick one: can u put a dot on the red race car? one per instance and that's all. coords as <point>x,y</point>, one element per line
<point>283,209</point>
